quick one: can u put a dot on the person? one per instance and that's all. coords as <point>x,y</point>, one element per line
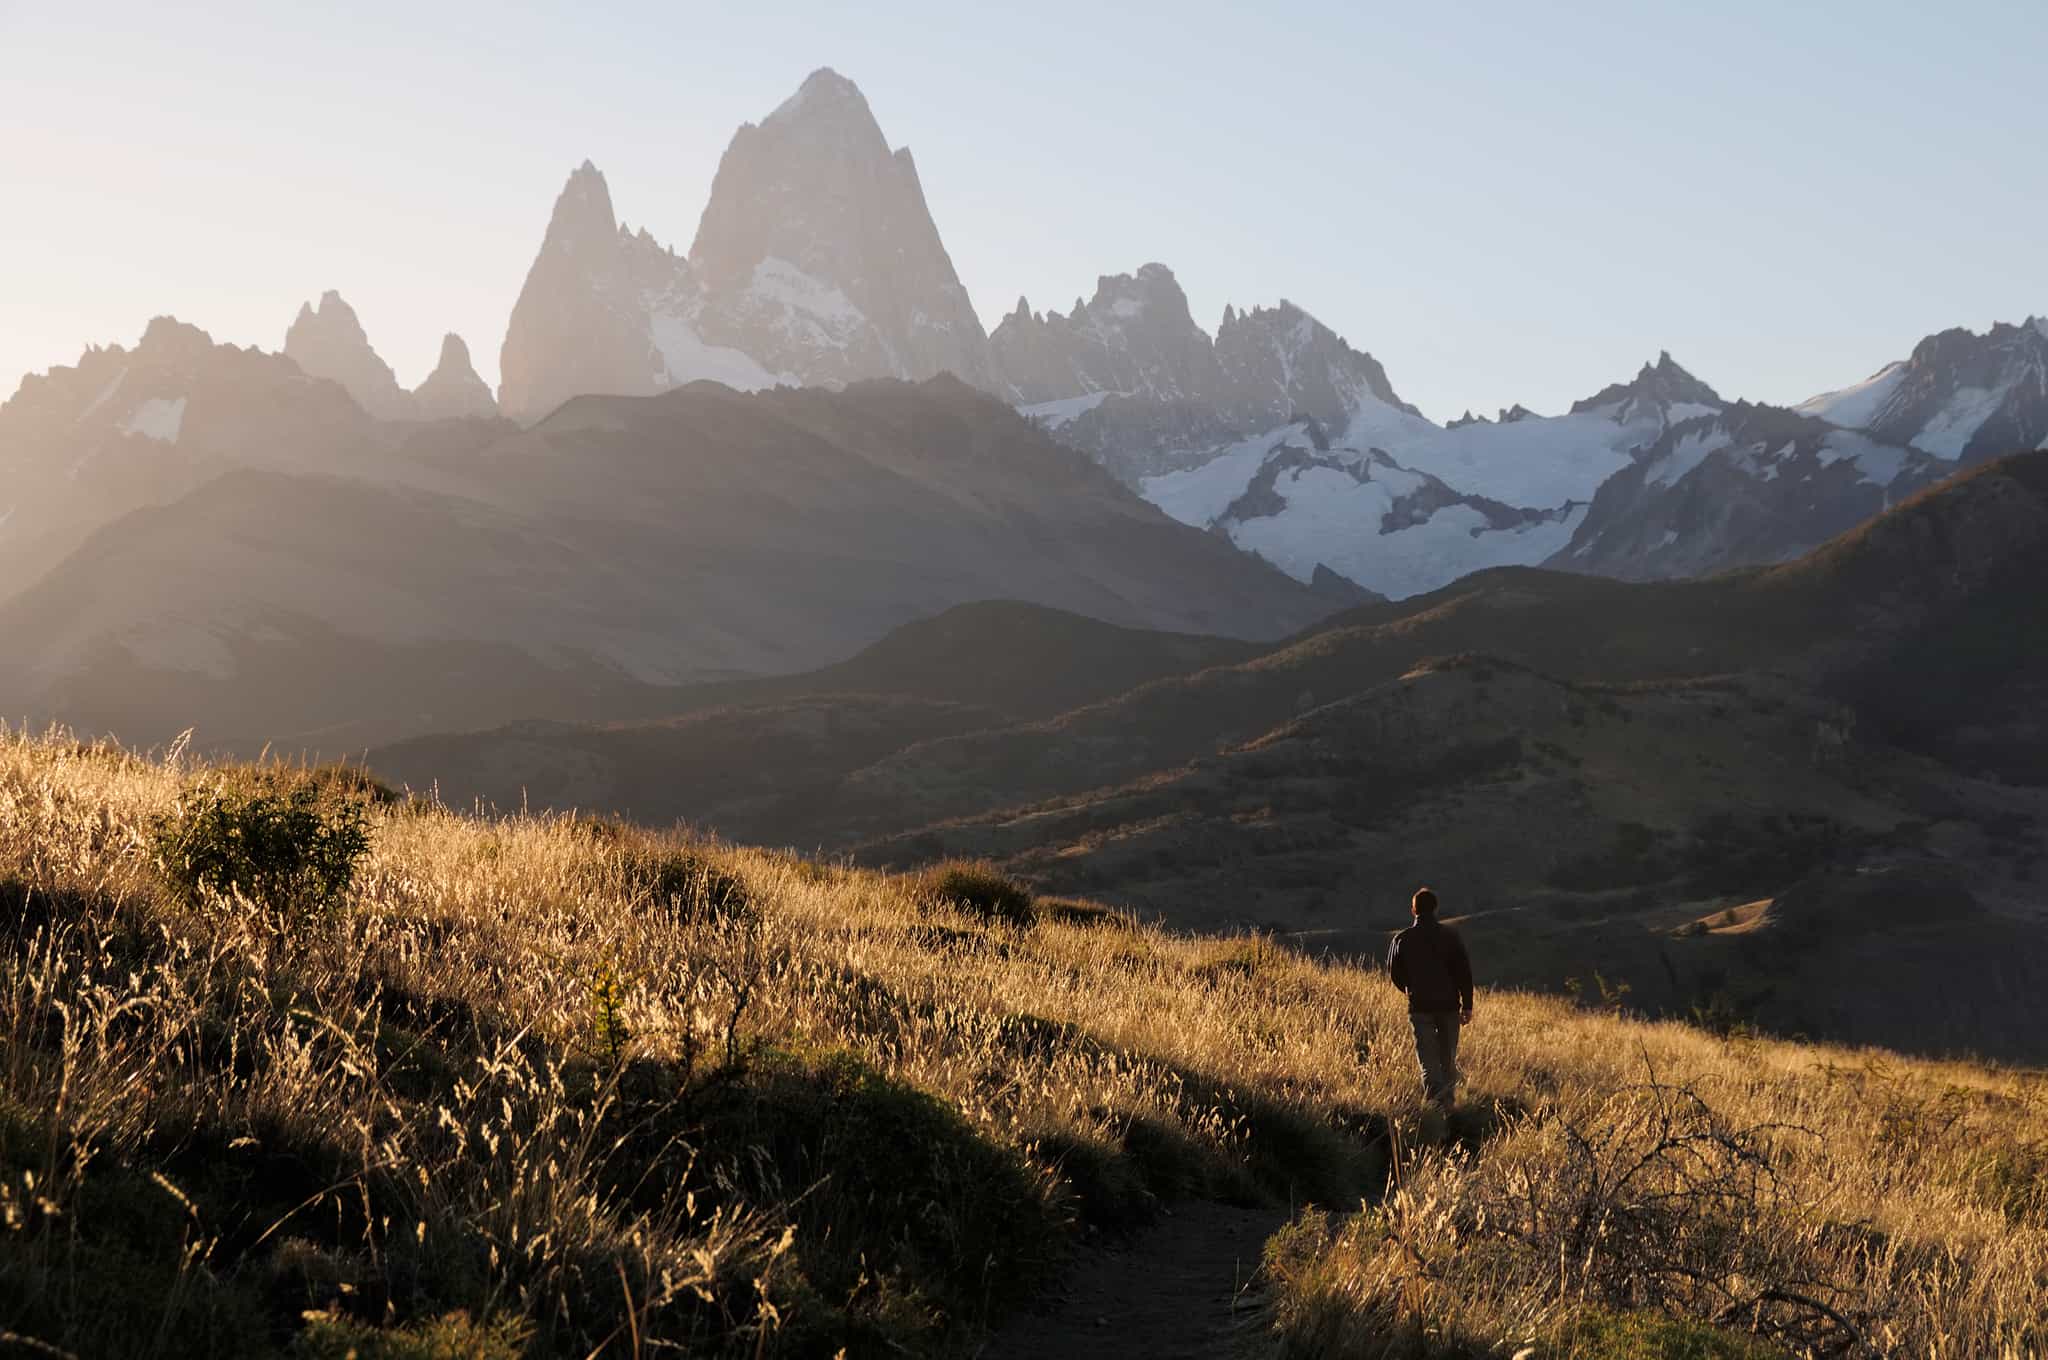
<point>1429,963</point>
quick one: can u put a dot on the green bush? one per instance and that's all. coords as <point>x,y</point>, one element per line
<point>980,889</point>
<point>289,849</point>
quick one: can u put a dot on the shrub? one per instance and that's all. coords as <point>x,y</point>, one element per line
<point>278,849</point>
<point>1077,911</point>
<point>980,889</point>
<point>686,883</point>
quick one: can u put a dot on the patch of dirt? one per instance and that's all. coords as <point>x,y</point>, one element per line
<point>1183,1289</point>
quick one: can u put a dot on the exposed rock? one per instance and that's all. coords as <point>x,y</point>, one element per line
<point>1134,337</point>
<point>818,257</point>
<point>453,391</point>
<point>328,342</point>
<point>584,321</point>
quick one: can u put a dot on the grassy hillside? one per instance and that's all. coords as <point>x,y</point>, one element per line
<point>1593,770</point>
<point>539,1085</point>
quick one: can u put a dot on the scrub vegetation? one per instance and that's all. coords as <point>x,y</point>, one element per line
<point>291,1064</point>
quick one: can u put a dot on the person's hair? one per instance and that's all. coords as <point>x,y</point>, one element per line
<point>1425,901</point>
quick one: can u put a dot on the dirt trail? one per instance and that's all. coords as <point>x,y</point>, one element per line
<point>1180,1290</point>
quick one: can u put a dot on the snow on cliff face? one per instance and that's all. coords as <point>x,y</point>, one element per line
<point>158,418</point>
<point>1961,396</point>
<point>818,255</point>
<point>1371,490</point>
<point>1290,496</point>
<point>1749,485</point>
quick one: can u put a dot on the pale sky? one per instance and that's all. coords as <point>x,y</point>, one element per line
<point>1503,202</point>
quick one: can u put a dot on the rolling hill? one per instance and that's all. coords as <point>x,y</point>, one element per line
<point>1588,766</point>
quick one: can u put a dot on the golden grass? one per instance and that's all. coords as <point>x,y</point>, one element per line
<point>413,1106</point>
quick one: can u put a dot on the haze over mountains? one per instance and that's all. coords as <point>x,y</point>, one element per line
<point>189,517</point>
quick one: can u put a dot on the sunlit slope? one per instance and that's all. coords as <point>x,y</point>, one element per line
<point>579,1084</point>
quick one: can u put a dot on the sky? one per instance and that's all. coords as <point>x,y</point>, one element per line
<point>1503,202</point>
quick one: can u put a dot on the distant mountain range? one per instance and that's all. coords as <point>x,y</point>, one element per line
<point>256,557</point>
<point>817,261</point>
<point>817,265</point>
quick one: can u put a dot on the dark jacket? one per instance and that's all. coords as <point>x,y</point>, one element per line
<point>1428,961</point>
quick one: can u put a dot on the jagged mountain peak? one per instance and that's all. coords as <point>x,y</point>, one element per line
<point>332,314</point>
<point>453,390</point>
<point>1135,336</point>
<point>328,341</point>
<point>167,337</point>
<point>1960,396</point>
<point>583,210</point>
<point>817,255</point>
<point>1151,289</point>
<point>1284,353</point>
<point>1665,382</point>
<point>824,93</point>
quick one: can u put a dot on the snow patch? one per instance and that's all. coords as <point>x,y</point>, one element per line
<point>1856,407</point>
<point>1687,454</point>
<point>1334,519</point>
<point>1880,464</point>
<point>1678,412</point>
<point>818,310</point>
<point>1199,495</point>
<point>105,393</point>
<point>1053,414</point>
<point>1540,461</point>
<point>159,418</point>
<point>687,358</point>
<point>1951,428</point>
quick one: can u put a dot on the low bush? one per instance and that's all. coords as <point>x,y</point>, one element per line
<point>283,849</point>
<point>980,889</point>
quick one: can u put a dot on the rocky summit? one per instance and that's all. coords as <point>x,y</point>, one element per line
<point>816,263</point>
<point>453,391</point>
<point>328,342</point>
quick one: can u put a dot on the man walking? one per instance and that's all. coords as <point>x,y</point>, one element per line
<point>1429,963</point>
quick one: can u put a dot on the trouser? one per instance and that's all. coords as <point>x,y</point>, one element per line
<point>1436,1052</point>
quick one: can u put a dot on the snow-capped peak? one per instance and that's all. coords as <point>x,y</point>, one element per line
<point>1960,396</point>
